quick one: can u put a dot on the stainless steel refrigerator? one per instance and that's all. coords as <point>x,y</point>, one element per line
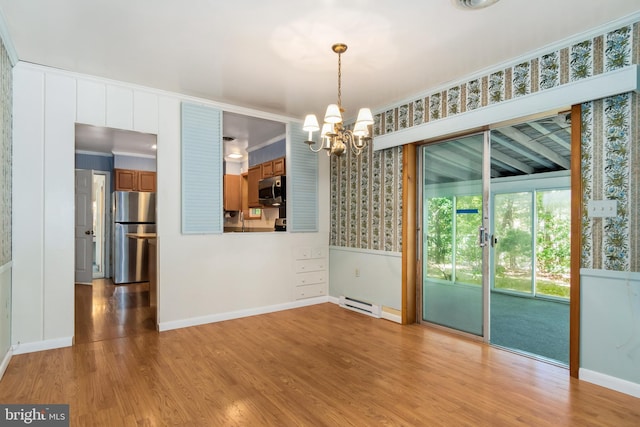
<point>134,219</point>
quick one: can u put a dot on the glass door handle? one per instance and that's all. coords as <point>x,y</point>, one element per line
<point>494,241</point>
<point>483,237</point>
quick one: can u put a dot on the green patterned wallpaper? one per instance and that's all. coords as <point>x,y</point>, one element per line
<point>366,200</point>
<point>366,191</point>
<point>5,155</point>
<point>610,158</point>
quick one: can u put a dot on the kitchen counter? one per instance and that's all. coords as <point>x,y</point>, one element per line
<point>248,230</point>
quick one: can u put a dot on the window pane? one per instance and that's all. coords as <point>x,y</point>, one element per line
<point>439,218</point>
<point>468,251</point>
<point>553,243</point>
<point>513,254</point>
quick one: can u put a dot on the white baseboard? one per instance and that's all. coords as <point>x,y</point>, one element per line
<point>623,386</point>
<point>5,362</point>
<point>32,347</point>
<point>383,315</point>
<point>390,316</point>
<point>195,321</point>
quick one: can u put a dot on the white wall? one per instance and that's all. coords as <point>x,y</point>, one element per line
<point>378,279</point>
<point>206,275</point>
<point>200,277</point>
<point>43,213</point>
<point>134,162</point>
<point>5,316</point>
<point>610,339</point>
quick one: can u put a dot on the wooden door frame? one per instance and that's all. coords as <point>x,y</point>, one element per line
<point>410,227</point>
<point>576,240</point>
<point>409,235</point>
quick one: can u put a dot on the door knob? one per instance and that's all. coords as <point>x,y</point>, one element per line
<point>88,232</point>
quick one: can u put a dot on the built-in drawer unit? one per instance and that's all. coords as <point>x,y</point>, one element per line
<point>310,291</point>
<point>311,273</point>
<point>308,265</point>
<point>311,277</point>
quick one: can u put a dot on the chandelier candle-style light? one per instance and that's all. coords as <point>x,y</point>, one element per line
<point>334,138</point>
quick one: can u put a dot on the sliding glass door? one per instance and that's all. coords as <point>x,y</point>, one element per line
<point>495,226</point>
<point>453,234</point>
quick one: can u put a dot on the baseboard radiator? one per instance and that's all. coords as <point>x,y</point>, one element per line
<point>360,306</point>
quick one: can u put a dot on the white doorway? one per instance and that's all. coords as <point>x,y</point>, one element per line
<point>92,235</point>
<point>101,189</point>
<point>83,227</point>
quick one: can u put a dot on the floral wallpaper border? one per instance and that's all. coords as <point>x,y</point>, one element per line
<point>6,104</point>
<point>601,54</point>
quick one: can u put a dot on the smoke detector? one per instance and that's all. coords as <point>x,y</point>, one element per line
<point>473,4</point>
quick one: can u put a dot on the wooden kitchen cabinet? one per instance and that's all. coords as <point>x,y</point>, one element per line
<point>232,192</point>
<point>146,181</point>
<point>273,168</point>
<point>125,179</point>
<point>134,180</point>
<point>279,167</point>
<point>254,175</point>
<point>249,213</point>
<point>267,169</point>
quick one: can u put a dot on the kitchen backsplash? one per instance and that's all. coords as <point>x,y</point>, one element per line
<point>267,220</point>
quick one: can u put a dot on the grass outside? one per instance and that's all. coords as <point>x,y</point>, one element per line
<point>544,286</point>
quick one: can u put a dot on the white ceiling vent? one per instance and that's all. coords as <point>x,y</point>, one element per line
<point>473,4</point>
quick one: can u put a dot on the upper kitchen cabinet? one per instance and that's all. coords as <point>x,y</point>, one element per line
<point>116,107</point>
<point>253,176</point>
<point>134,180</point>
<point>274,167</point>
<point>279,168</point>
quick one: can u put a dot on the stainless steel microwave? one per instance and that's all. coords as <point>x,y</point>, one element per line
<point>272,191</point>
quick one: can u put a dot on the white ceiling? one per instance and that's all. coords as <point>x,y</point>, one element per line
<point>276,56</point>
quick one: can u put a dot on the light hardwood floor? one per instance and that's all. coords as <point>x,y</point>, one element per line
<point>105,311</point>
<point>313,366</point>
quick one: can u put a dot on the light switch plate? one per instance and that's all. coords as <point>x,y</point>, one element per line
<point>602,208</point>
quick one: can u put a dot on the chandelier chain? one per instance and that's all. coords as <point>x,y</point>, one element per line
<point>340,81</point>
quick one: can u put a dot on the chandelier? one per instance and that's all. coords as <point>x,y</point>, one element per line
<point>334,137</point>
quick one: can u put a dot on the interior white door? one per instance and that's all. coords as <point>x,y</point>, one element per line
<point>84,227</point>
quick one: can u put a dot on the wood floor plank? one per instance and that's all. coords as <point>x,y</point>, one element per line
<point>313,366</point>
<point>106,311</point>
